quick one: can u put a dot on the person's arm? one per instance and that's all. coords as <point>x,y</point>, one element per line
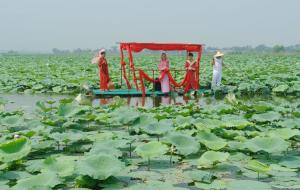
<point>213,61</point>
<point>223,64</point>
<point>192,66</point>
<point>186,66</point>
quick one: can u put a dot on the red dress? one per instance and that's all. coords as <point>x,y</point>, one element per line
<point>191,82</point>
<point>103,73</point>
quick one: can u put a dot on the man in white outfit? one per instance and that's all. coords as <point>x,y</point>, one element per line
<point>217,63</point>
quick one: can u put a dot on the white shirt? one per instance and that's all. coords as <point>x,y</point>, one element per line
<point>217,67</point>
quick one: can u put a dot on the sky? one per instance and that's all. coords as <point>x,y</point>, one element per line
<point>40,25</point>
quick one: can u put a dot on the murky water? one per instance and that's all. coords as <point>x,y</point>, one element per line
<point>28,102</point>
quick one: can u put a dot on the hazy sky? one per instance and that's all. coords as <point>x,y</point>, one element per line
<point>40,25</point>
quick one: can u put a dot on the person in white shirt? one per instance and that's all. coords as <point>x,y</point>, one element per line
<point>217,63</point>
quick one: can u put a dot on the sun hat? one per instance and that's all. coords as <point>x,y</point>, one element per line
<point>102,51</point>
<point>219,54</point>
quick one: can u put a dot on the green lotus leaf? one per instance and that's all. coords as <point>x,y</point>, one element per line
<point>247,185</point>
<point>209,158</point>
<point>4,187</point>
<point>290,162</point>
<point>13,175</point>
<point>267,144</point>
<point>69,136</point>
<point>289,123</point>
<point>62,165</point>
<point>238,156</point>
<point>34,165</point>
<point>57,89</point>
<point>284,133</point>
<point>143,121</point>
<point>182,121</point>
<point>185,144</point>
<point>207,123</point>
<point>13,120</point>
<point>40,181</point>
<point>215,185</point>
<point>277,167</point>
<point>258,166</point>
<point>151,150</point>
<point>100,166</point>
<point>234,121</point>
<point>261,107</point>
<point>125,115</point>
<point>200,176</point>
<point>158,128</point>
<point>286,183</point>
<point>14,150</point>
<point>105,147</point>
<point>154,185</point>
<point>281,88</point>
<point>210,140</point>
<point>70,109</point>
<point>266,117</point>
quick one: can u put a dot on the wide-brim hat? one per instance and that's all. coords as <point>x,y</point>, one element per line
<point>102,51</point>
<point>219,54</point>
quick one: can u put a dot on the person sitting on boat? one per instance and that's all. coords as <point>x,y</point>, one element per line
<point>103,70</point>
<point>190,67</point>
<point>217,64</point>
<point>163,67</point>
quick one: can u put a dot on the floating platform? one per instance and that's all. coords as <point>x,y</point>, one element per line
<point>132,92</point>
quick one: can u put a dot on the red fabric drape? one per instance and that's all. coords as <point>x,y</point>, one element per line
<point>137,47</point>
<point>103,73</point>
<point>143,76</point>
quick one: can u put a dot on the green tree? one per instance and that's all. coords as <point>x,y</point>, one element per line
<point>278,48</point>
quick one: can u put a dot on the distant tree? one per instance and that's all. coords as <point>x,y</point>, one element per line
<point>278,48</point>
<point>262,48</point>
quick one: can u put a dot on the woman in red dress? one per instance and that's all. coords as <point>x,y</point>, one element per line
<point>103,71</point>
<point>190,67</point>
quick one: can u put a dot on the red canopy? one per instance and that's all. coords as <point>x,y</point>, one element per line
<point>137,47</point>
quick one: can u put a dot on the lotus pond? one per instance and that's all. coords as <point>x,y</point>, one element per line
<point>231,143</point>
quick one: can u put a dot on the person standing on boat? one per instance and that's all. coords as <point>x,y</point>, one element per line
<point>190,67</point>
<point>103,70</point>
<point>217,64</point>
<point>164,66</point>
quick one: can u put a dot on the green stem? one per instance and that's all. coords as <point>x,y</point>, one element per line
<point>130,150</point>
<point>148,164</point>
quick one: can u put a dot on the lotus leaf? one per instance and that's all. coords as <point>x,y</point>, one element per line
<point>209,158</point>
<point>99,166</point>
<point>151,150</point>
<point>185,144</point>
<point>284,133</point>
<point>290,162</point>
<point>210,140</point>
<point>42,180</point>
<point>266,117</point>
<point>258,166</point>
<point>154,185</point>
<point>158,128</point>
<point>267,144</point>
<point>63,165</point>
<point>248,185</point>
<point>14,150</point>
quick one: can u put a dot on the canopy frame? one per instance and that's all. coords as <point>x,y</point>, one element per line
<point>135,47</point>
